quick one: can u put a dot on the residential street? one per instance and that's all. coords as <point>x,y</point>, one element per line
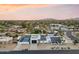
<point>70,35</point>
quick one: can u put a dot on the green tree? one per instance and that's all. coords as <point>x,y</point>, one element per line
<point>75,42</point>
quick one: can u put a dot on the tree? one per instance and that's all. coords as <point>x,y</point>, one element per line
<point>23,25</point>
<point>7,34</point>
<point>36,31</point>
<point>75,42</point>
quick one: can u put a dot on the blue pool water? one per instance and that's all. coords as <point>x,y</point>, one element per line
<point>43,37</point>
<point>55,39</point>
<point>25,39</point>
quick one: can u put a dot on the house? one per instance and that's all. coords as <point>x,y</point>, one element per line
<point>21,30</point>
<point>24,40</point>
<point>35,38</point>
<point>43,39</point>
<point>15,28</point>
<point>39,38</point>
<point>5,39</point>
<point>29,39</point>
<point>37,27</point>
<point>2,34</point>
<point>12,30</point>
<point>55,39</point>
<point>58,27</point>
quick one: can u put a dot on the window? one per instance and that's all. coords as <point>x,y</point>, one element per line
<point>34,41</point>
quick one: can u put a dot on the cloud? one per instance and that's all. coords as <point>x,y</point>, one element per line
<point>13,7</point>
<point>38,11</point>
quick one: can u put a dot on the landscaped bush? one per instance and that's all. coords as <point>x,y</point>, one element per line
<point>36,31</point>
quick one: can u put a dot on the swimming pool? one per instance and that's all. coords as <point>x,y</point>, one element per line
<point>55,39</point>
<point>25,39</point>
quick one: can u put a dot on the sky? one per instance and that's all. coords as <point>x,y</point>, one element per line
<point>38,11</point>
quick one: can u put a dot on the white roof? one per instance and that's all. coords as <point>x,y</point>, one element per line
<point>56,24</point>
<point>48,38</point>
<point>19,37</point>
<point>4,38</point>
<point>35,36</point>
<point>2,33</point>
<point>50,35</point>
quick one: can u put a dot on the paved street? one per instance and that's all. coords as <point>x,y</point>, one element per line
<point>42,52</point>
<point>70,35</point>
<point>66,38</point>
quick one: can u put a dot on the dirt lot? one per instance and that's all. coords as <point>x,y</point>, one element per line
<point>58,47</point>
<point>42,47</point>
<point>25,47</point>
<point>7,46</point>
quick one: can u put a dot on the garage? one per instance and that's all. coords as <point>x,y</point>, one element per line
<point>34,38</point>
<point>34,41</point>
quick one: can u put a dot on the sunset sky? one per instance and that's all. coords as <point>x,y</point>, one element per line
<point>38,11</point>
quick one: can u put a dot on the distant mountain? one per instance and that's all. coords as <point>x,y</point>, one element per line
<point>48,19</point>
<point>59,19</point>
<point>75,18</point>
<point>72,19</point>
